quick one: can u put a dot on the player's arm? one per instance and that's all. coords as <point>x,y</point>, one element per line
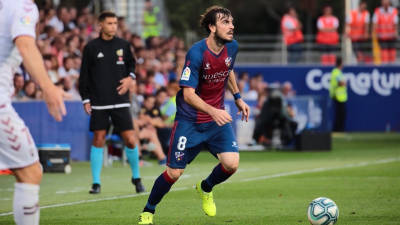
<point>243,108</point>
<point>220,116</point>
<point>34,64</point>
<point>84,81</point>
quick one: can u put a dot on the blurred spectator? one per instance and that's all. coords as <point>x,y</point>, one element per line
<point>72,46</point>
<point>287,90</point>
<point>57,49</point>
<point>328,36</point>
<point>385,22</point>
<point>252,94</point>
<point>50,64</point>
<point>150,83</point>
<point>151,26</point>
<point>29,90</point>
<point>292,35</point>
<point>68,69</point>
<point>243,82</point>
<point>19,83</point>
<point>70,88</point>
<point>57,21</point>
<point>149,119</point>
<point>357,29</point>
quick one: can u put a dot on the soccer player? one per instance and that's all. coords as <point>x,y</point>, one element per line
<point>201,121</point>
<point>17,149</point>
<point>106,73</point>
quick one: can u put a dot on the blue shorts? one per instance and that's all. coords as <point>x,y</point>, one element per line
<point>188,139</point>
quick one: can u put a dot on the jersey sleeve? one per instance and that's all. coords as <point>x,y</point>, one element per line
<point>84,90</point>
<point>130,60</point>
<point>191,70</point>
<point>235,50</point>
<point>24,20</point>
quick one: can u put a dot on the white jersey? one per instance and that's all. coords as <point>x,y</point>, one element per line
<point>17,18</point>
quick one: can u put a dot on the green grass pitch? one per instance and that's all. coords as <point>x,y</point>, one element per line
<point>361,174</point>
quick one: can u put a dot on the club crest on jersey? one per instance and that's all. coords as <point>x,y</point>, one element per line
<point>120,53</point>
<point>228,61</point>
<point>207,67</point>
<point>186,74</point>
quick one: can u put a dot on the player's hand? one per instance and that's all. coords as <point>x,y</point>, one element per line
<point>53,96</point>
<point>124,87</point>
<point>88,108</point>
<point>220,116</point>
<point>243,108</point>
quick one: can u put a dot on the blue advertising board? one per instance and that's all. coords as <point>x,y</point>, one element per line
<point>374,91</point>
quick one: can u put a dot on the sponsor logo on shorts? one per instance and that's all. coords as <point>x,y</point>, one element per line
<point>179,156</point>
<point>234,144</point>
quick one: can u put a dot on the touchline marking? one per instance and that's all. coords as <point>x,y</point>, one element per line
<point>382,161</point>
<point>361,164</point>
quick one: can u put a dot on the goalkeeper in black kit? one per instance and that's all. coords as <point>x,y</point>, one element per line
<point>107,70</point>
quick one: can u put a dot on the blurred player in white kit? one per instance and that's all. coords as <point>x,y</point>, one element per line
<point>17,150</point>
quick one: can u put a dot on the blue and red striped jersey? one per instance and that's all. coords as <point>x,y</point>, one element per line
<point>208,74</point>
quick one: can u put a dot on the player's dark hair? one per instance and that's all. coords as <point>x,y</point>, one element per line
<point>209,17</point>
<point>106,14</point>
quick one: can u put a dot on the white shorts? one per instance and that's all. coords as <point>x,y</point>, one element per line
<point>17,148</point>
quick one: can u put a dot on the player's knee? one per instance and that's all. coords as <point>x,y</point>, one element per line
<point>130,142</point>
<point>231,167</point>
<point>99,140</point>
<point>174,174</point>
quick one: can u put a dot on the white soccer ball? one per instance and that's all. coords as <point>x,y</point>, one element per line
<point>323,211</point>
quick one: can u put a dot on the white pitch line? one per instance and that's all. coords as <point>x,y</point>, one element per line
<point>382,161</point>
<point>297,172</point>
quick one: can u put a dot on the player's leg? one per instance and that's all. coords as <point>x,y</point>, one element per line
<point>161,187</point>
<point>122,120</point>
<point>26,194</point>
<point>182,150</point>
<point>222,142</point>
<point>96,159</point>
<point>132,153</point>
<point>99,122</point>
<point>18,152</point>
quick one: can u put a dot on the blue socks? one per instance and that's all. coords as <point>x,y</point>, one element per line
<point>218,175</point>
<point>96,163</point>
<point>133,159</point>
<point>161,186</point>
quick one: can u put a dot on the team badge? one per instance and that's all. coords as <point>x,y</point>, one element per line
<point>186,74</point>
<point>179,156</point>
<point>120,52</point>
<point>228,61</point>
<point>207,66</point>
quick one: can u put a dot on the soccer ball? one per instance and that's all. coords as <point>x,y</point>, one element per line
<point>323,211</point>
